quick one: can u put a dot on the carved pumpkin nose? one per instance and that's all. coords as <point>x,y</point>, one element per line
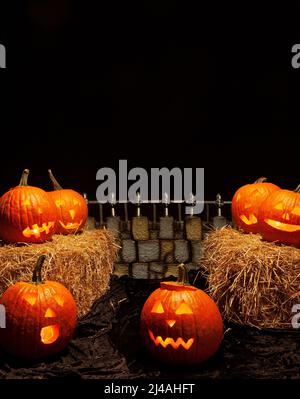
<point>72,213</point>
<point>171,323</point>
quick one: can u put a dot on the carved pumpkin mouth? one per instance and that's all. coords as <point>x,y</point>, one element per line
<point>70,225</point>
<point>50,334</point>
<point>36,230</point>
<point>291,228</point>
<point>252,219</point>
<point>170,341</point>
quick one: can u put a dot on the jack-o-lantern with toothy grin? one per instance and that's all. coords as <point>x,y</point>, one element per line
<point>279,217</point>
<point>26,214</point>
<point>181,324</point>
<point>247,201</point>
<point>71,207</point>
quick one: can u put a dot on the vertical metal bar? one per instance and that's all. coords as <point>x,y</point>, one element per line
<point>101,214</point>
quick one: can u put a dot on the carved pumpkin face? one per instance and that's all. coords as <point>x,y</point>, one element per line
<point>279,217</point>
<point>246,203</point>
<point>71,208</point>
<point>71,211</point>
<point>26,214</point>
<point>181,324</point>
<point>40,319</point>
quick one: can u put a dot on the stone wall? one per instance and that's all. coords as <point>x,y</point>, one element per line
<point>150,251</point>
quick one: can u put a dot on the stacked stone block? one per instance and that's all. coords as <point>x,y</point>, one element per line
<point>148,253</point>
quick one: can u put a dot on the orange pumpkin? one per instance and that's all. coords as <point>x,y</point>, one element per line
<point>40,317</point>
<point>26,214</point>
<point>181,324</point>
<point>279,217</point>
<point>246,203</point>
<point>71,207</point>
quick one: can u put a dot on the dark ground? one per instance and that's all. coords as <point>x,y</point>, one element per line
<point>107,346</point>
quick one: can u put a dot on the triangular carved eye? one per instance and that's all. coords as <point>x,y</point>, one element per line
<point>59,203</point>
<point>30,298</point>
<point>184,309</point>
<point>158,308</point>
<point>59,300</point>
<point>296,211</point>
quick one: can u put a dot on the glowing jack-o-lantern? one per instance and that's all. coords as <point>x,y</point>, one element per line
<point>181,324</point>
<point>279,217</point>
<point>26,214</point>
<point>40,317</point>
<point>71,207</point>
<point>246,203</point>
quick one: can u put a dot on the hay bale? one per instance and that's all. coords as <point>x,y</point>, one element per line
<point>83,263</point>
<point>254,283</point>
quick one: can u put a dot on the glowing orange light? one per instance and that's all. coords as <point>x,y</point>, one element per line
<point>291,228</point>
<point>252,219</point>
<point>184,309</point>
<point>286,216</point>
<point>59,203</point>
<point>59,300</point>
<point>50,313</point>
<point>49,334</point>
<point>171,323</point>
<point>36,231</point>
<point>26,203</point>
<point>157,308</point>
<point>296,211</point>
<point>72,213</point>
<point>30,298</point>
<point>170,341</point>
<point>70,225</point>
<point>279,207</point>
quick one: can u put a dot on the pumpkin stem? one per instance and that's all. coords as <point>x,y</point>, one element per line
<point>37,273</point>
<point>55,183</point>
<point>298,189</point>
<point>24,178</point>
<point>261,180</point>
<point>183,275</point>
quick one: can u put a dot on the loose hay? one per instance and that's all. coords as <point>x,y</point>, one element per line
<point>83,263</point>
<point>254,283</point>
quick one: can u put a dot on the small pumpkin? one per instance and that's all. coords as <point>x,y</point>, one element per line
<point>279,217</point>
<point>246,203</point>
<point>26,214</point>
<point>71,208</point>
<point>40,317</point>
<point>181,324</point>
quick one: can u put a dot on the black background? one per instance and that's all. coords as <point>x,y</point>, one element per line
<point>159,83</point>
